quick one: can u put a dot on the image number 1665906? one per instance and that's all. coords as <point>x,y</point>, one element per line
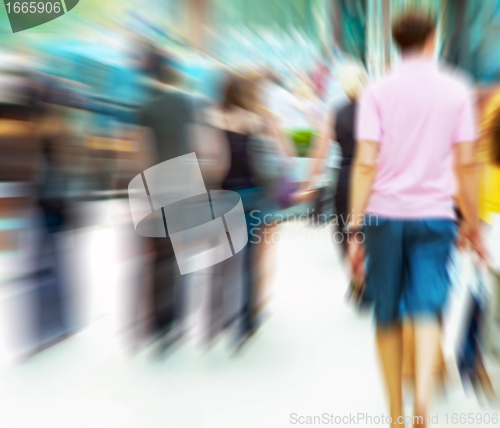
<point>33,7</point>
<point>24,15</point>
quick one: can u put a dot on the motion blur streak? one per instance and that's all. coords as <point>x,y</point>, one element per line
<point>93,100</point>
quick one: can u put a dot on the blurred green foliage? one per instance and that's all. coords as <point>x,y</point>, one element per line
<point>302,139</point>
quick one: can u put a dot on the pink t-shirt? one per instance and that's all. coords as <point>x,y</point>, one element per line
<point>416,114</point>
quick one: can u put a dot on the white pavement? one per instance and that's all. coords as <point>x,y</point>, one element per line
<point>313,356</point>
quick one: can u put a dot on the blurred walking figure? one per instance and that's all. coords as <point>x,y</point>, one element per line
<point>52,291</point>
<point>246,129</point>
<point>414,128</point>
<point>164,121</point>
<point>488,158</point>
<point>339,126</point>
<point>239,123</point>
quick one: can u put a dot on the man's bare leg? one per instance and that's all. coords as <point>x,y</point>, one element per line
<point>427,345</point>
<point>390,348</point>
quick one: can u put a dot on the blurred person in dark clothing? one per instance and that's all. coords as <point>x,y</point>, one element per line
<point>52,194</point>
<point>19,166</point>
<point>339,126</point>
<point>238,122</point>
<point>415,129</point>
<point>164,122</point>
<point>242,121</point>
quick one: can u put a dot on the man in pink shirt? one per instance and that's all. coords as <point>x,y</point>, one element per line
<point>415,133</point>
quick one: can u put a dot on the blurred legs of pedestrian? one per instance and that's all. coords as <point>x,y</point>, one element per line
<point>407,278</point>
<point>225,297</point>
<point>427,337</point>
<point>50,291</point>
<point>166,294</point>
<point>342,208</point>
<point>249,290</point>
<point>409,359</point>
<point>427,348</point>
<point>248,321</point>
<point>266,267</point>
<point>390,348</point>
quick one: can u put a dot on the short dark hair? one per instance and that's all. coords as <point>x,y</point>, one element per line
<point>412,29</point>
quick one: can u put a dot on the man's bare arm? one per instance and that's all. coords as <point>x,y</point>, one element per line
<point>466,170</point>
<point>362,177</point>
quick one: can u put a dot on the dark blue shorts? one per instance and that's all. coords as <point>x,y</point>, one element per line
<point>407,267</point>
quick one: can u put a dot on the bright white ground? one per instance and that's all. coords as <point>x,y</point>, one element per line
<point>314,355</point>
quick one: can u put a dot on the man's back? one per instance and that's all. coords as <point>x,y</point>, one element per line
<point>417,114</point>
<point>168,116</point>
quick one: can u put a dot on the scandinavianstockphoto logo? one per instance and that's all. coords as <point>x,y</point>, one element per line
<point>28,14</point>
<point>204,226</point>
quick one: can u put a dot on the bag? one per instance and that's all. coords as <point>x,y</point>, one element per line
<point>319,215</point>
<point>469,353</point>
<point>465,289</point>
<point>285,188</point>
<point>354,292</point>
<point>357,296</point>
<point>456,314</point>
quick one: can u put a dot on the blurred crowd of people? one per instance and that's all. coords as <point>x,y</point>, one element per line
<point>66,143</point>
<point>72,134</point>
